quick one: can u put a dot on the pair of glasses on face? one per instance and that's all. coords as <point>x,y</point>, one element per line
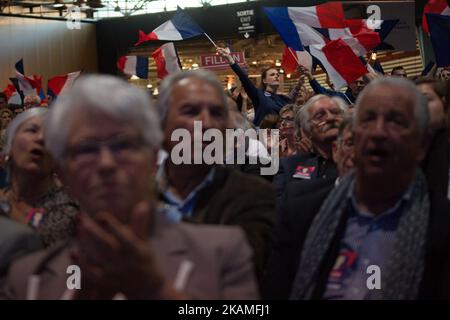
<point>322,115</point>
<point>286,120</point>
<point>122,149</point>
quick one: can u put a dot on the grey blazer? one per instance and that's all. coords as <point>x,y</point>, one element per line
<point>203,261</point>
<point>15,240</point>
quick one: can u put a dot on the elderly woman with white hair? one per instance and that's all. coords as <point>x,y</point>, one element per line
<point>32,195</point>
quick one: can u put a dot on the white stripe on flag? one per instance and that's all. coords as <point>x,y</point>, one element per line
<point>305,59</point>
<point>306,15</point>
<point>130,65</point>
<point>167,31</point>
<point>335,77</point>
<point>170,55</point>
<point>71,77</point>
<point>308,35</point>
<point>446,11</point>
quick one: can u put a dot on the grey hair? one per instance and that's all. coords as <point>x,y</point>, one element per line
<point>347,122</point>
<point>166,87</point>
<point>303,114</point>
<point>421,112</point>
<point>289,107</point>
<point>106,94</point>
<point>15,124</point>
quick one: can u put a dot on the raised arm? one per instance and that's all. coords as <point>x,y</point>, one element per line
<point>248,85</point>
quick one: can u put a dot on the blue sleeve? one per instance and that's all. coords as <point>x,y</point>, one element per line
<point>331,93</point>
<point>315,85</point>
<point>248,85</point>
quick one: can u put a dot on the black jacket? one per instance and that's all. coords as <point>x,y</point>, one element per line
<point>323,169</point>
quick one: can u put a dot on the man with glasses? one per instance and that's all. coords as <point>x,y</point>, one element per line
<point>299,205</point>
<point>319,118</point>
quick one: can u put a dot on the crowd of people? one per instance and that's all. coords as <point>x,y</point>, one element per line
<point>363,184</point>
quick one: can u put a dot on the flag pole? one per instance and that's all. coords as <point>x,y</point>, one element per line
<point>294,56</point>
<point>210,39</point>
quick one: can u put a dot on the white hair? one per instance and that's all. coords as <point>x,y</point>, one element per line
<point>303,114</point>
<point>15,124</point>
<point>106,94</point>
<point>421,112</point>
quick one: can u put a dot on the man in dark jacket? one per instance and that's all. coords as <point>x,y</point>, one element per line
<point>380,234</point>
<point>292,223</point>
<point>209,193</point>
<point>320,118</point>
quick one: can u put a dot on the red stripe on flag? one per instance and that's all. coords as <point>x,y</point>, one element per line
<point>433,6</point>
<point>56,84</point>
<point>160,63</point>
<point>288,62</point>
<point>331,15</point>
<point>121,63</point>
<point>368,38</point>
<point>343,60</point>
<point>9,90</point>
<point>145,37</point>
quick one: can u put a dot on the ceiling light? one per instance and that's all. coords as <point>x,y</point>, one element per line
<point>278,63</point>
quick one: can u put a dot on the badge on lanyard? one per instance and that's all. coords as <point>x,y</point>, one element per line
<point>344,262</point>
<point>303,172</point>
<point>35,217</point>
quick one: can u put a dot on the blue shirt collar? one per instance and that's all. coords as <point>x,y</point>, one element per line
<point>405,198</point>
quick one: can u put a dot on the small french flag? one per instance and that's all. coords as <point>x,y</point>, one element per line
<point>134,65</point>
<point>166,59</point>
<point>59,84</point>
<point>180,27</point>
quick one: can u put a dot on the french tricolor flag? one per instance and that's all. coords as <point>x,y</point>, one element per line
<point>134,65</point>
<point>166,59</point>
<point>180,27</point>
<point>335,41</point>
<point>58,84</point>
<point>434,6</point>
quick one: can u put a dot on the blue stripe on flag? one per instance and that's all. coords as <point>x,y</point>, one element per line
<point>280,19</point>
<point>185,25</point>
<point>19,66</point>
<point>142,67</point>
<point>439,26</point>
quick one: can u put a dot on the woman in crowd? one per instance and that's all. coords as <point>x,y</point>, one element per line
<point>435,163</point>
<point>265,100</point>
<point>434,90</point>
<point>32,195</point>
<point>6,116</point>
<point>288,145</point>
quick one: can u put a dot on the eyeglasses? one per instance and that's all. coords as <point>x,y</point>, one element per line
<point>286,120</point>
<point>122,148</point>
<point>323,114</point>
